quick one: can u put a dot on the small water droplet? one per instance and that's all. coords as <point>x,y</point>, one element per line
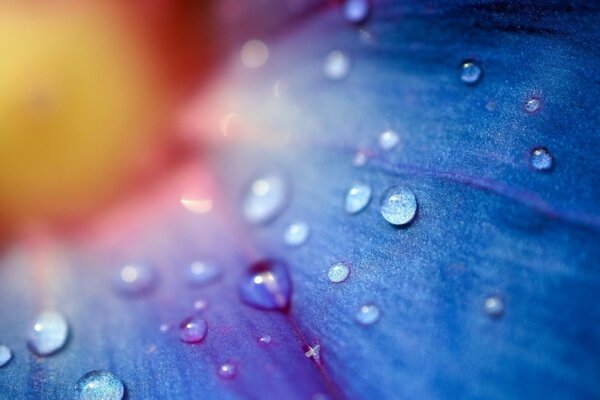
<point>99,385</point>
<point>532,104</point>
<point>338,272</point>
<point>5,355</point>
<point>356,11</point>
<point>200,305</point>
<point>398,205</point>
<point>193,330</point>
<point>203,272</point>
<point>314,352</point>
<point>296,234</point>
<point>227,370</point>
<point>368,314</point>
<point>254,54</point>
<point>360,158</point>
<point>165,327</point>
<point>494,306</point>
<point>134,278</point>
<point>265,199</point>
<point>265,339</point>
<point>470,72</point>
<point>267,285</point>
<point>48,333</point>
<point>541,159</point>
<point>357,198</point>
<point>337,65</point>
<point>388,140</point>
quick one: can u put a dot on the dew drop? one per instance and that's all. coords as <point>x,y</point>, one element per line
<point>532,104</point>
<point>337,65</point>
<point>388,140</point>
<point>314,352</point>
<point>265,339</point>
<point>254,54</point>
<point>164,327</point>
<point>265,199</point>
<point>203,272</point>
<point>134,278</point>
<point>48,333</point>
<point>360,158</point>
<point>541,159</point>
<point>357,198</point>
<point>193,330</point>
<point>296,234</point>
<point>356,11</point>
<point>267,286</point>
<point>470,72</point>
<point>368,314</point>
<point>338,272</point>
<point>227,370</point>
<point>5,355</point>
<point>398,205</point>
<point>494,306</point>
<point>99,385</point>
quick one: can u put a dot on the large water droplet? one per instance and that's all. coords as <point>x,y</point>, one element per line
<point>356,11</point>
<point>337,65</point>
<point>532,104</point>
<point>265,199</point>
<point>296,234</point>
<point>388,140</point>
<point>368,314</point>
<point>541,159</point>
<point>227,370</point>
<point>135,278</point>
<point>99,385</point>
<point>357,198</point>
<point>48,333</point>
<point>470,72</point>
<point>5,355</point>
<point>193,330</point>
<point>494,306</point>
<point>398,205</point>
<point>338,272</point>
<point>267,285</point>
<point>203,272</point>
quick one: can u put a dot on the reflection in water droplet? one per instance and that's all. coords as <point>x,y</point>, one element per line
<point>338,272</point>
<point>265,339</point>
<point>388,140</point>
<point>494,306</point>
<point>267,285</point>
<point>532,104</point>
<point>135,278</point>
<point>357,198</point>
<point>48,333</point>
<point>193,330</point>
<point>296,234</point>
<point>368,314</point>
<point>203,272</point>
<point>227,370</point>
<point>337,65</point>
<point>470,72</point>
<point>254,54</point>
<point>5,355</point>
<point>265,199</point>
<point>356,11</point>
<point>99,385</point>
<point>360,158</point>
<point>541,159</point>
<point>398,205</point>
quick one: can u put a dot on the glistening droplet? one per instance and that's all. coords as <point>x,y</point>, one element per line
<point>5,355</point>
<point>470,72</point>
<point>388,140</point>
<point>356,11</point>
<point>532,104</point>
<point>99,385</point>
<point>265,198</point>
<point>338,272</point>
<point>337,65</point>
<point>48,333</point>
<point>227,370</point>
<point>540,159</point>
<point>368,314</point>
<point>267,285</point>
<point>134,278</point>
<point>193,330</point>
<point>398,205</point>
<point>357,198</point>
<point>203,272</point>
<point>494,306</point>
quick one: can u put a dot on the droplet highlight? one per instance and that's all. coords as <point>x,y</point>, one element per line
<point>368,314</point>
<point>540,159</point>
<point>134,278</point>
<point>398,205</point>
<point>193,330</point>
<point>227,370</point>
<point>200,273</point>
<point>267,285</point>
<point>532,104</point>
<point>99,385</point>
<point>356,11</point>
<point>338,272</point>
<point>494,306</point>
<point>265,339</point>
<point>357,198</point>
<point>48,333</point>
<point>336,66</point>
<point>296,234</point>
<point>470,72</point>
<point>265,199</point>
<point>388,140</point>
<point>5,355</point>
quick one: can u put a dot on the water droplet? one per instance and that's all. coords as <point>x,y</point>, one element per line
<point>338,272</point>
<point>356,11</point>
<point>267,285</point>
<point>398,205</point>
<point>227,370</point>
<point>203,272</point>
<point>254,54</point>
<point>134,278</point>
<point>99,385</point>
<point>360,158</point>
<point>337,65</point>
<point>296,234</point>
<point>532,104</point>
<point>494,306</point>
<point>314,352</point>
<point>357,198</point>
<point>5,355</point>
<point>48,333</point>
<point>470,72</point>
<point>368,314</point>
<point>265,339</point>
<point>265,199</point>
<point>165,327</point>
<point>541,159</point>
<point>193,330</point>
<point>388,140</point>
